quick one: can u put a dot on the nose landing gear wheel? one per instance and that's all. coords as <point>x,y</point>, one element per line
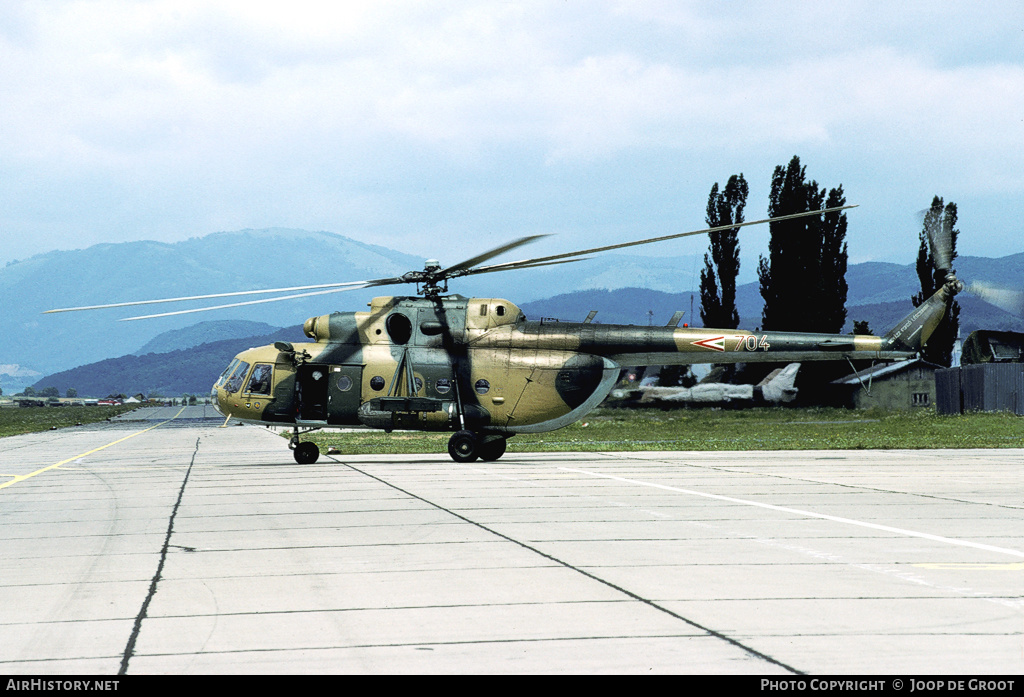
<point>462,446</point>
<point>306,453</point>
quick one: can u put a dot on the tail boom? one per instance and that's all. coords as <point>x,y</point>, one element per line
<point>914,330</point>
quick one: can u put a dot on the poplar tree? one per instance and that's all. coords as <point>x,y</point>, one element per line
<point>722,260</point>
<point>803,280</point>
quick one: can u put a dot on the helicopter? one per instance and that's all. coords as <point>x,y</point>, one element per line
<point>478,368</point>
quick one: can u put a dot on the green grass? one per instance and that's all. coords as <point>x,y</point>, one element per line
<point>652,429</point>
<point>710,429</point>
<point>16,420</point>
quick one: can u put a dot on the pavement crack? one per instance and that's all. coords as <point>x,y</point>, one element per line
<point>129,649</point>
<point>647,601</point>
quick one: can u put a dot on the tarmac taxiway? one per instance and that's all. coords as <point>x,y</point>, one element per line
<point>163,543</point>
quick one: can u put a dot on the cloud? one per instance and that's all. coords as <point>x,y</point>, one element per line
<point>150,117</point>
<point>139,78</point>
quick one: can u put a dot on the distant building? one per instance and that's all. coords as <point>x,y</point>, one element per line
<point>903,385</point>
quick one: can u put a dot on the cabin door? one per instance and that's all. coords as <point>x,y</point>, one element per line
<point>343,394</point>
<point>311,381</point>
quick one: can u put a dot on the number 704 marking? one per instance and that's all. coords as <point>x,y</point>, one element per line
<point>750,342</point>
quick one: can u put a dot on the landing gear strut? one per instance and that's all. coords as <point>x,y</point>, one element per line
<point>466,446</point>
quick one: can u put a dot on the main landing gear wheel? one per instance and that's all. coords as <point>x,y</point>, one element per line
<point>462,446</point>
<point>306,453</point>
<point>466,446</point>
<point>491,450</point>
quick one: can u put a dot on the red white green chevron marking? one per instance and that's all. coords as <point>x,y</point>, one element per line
<point>715,344</point>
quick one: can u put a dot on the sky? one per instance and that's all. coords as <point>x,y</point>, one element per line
<point>444,129</point>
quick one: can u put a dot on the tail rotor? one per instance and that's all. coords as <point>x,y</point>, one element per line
<point>940,238</point>
<point>1011,301</point>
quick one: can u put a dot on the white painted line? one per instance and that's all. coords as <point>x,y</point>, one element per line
<point>807,514</point>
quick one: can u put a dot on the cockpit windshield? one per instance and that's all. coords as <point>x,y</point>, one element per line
<point>227,373</point>
<point>234,383</point>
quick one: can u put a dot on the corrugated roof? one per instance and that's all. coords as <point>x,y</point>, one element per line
<point>879,371</point>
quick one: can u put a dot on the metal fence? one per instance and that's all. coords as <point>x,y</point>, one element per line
<point>980,387</point>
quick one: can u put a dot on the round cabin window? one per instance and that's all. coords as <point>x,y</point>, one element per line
<point>482,386</point>
<point>344,383</point>
<point>377,383</point>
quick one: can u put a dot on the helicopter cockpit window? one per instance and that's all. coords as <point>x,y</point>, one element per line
<point>234,383</point>
<point>227,372</point>
<point>259,381</point>
<point>399,327</point>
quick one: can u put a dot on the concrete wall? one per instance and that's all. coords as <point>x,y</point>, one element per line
<point>913,388</point>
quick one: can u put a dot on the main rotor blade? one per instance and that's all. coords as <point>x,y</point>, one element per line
<point>360,284</point>
<point>364,284</point>
<point>480,258</point>
<point>555,257</point>
<point>467,267</point>
<point>516,265</point>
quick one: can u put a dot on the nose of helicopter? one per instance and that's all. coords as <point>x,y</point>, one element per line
<point>217,391</point>
<point>215,400</point>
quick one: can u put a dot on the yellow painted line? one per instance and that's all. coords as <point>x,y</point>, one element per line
<point>22,477</point>
<point>954,566</point>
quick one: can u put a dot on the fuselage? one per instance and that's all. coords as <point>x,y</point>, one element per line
<point>451,363</point>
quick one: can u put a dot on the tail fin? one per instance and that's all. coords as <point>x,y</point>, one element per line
<point>913,331</point>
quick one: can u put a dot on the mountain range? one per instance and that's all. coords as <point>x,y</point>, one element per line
<point>33,344</point>
<point>108,273</point>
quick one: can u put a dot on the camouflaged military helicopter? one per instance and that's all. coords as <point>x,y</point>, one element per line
<point>480,368</point>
